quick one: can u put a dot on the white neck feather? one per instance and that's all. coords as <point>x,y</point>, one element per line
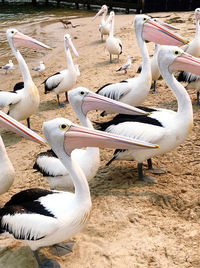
<point>70,63</point>
<point>197,29</point>
<point>111,32</point>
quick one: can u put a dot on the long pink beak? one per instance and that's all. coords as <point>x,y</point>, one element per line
<point>186,62</point>
<point>78,137</point>
<point>8,122</point>
<point>98,13</point>
<point>93,101</point>
<point>71,45</point>
<point>20,39</point>
<point>157,33</point>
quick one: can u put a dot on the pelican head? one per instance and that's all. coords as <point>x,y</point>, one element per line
<point>68,43</point>
<point>155,32</point>
<point>197,13</point>
<point>62,134</point>
<point>83,100</point>
<point>20,39</point>
<point>178,60</point>
<point>104,9</point>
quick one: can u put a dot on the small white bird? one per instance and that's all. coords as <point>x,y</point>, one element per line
<point>8,66</point>
<point>40,68</point>
<point>125,66</point>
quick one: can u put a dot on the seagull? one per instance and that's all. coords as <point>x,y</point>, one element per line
<point>125,66</point>
<point>8,66</point>
<point>40,68</point>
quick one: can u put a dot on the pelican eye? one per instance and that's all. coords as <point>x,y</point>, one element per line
<point>82,92</point>
<point>144,19</point>
<point>12,32</point>
<point>176,52</point>
<point>64,126</point>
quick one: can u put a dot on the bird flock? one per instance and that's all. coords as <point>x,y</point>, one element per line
<point>49,217</point>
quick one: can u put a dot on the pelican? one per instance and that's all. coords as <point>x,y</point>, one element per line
<point>162,126</point>
<point>24,102</point>
<point>7,171</point>
<point>105,24</point>
<point>40,217</point>
<point>8,66</point>
<point>82,100</point>
<point>133,91</point>
<point>39,68</point>
<point>113,44</point>
<point>125,66</point>
<point>64,80</point>
<point>155,72</point>
<point>193,48</point>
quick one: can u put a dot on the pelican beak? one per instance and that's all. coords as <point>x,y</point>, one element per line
<point>78,137</point>
<point>171,27</point>
<point>98,13</point>
<point>8,122</point>
<point>23,40</point>
<point>70,44</point>
<point>93,101</point>
<point>157,33</point>
<point>186,62</point>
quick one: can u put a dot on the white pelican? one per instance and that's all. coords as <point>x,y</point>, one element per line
<point>155,72</point>
<point>193,48</point>
<point>64,80</point>
<point>162,126</point>
<point>39,68</point>
<point>133,91</point>
<point>82,100</point>
<point>8,66</point>
<point>125,66</point>
<point>24,102</point>
<point>40,217</point>
<point>7,171</point>
<point>105,24</point>
<point>113,44</point>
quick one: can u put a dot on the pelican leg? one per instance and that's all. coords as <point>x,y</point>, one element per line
<point>61,105</point>
<point>198,103</point>
<point>45,263</point>
<point>101,37</point>
<point>154,88</point>
<point>110,58</point>
<point>28,122</point>
<point>66,96</point>
<point>143,177</point>
<point>118,59</point>
<point>154,170</point>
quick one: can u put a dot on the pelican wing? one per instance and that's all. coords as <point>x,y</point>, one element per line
<point>8,98</point>
<point>143,128</point>
<point>115,91</point>
<point>187,77</point>
<point>53,81</point>
<point>27,226</point>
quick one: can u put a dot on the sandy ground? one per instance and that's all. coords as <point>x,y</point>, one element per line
<point>132,224</point>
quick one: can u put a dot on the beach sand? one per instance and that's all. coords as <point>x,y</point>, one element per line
<point>132,224</point>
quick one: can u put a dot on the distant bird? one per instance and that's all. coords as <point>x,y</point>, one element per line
<point>134,91</point>
<point>40,68</point>
<point>64,80</point>
<point>125,66</point>
<point>24,100</point>
<point>8,66</point>
<point>68,22</point>
<point>164,127</point>
<point>105,23</point>
<point>113,44</point>
<point>82,101</point>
